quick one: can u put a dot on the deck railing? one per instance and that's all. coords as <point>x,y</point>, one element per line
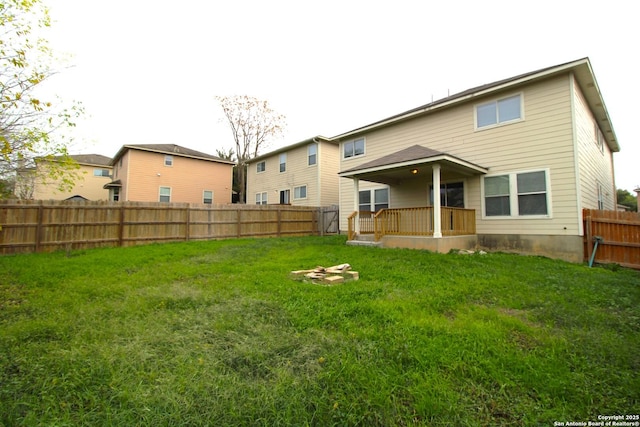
<point>414,222</point>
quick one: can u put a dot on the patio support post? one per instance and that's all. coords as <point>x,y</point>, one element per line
<point>356,204</point>
<point>437,225</point>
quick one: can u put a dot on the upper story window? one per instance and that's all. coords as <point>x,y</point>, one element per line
<point>165,194</point>
<point>261,166</point>
<point>599,137</point>
<point>353,148</point>
<point>499,111</point>
<point>283,162</point>
<point>207,197</point>
<point>312,154</point>
<point>168,160</point>
<point>101,172</point>
<point>517,194</point>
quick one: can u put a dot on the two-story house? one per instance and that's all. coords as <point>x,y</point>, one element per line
<point>169,173</point>
<point>88,180</point>
<point>302,174</point>
<point>505,166</point>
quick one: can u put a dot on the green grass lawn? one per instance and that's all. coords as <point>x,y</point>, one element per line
<point>217,333</point>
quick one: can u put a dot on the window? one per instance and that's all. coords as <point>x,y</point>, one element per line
<point>283,162</point>
<point>207,197</point>
<point>354,148</point>
<point>312,154</point>
<point>115,194</point>
<point>599,137</point>
<point>300,192</point>
<point>261,198</point>
<point>261,166</point>
<point>600,197</point>
<point>451,194</point>
<point>168,160</point>
<point>165,194</point>
<point>498,112</point>
<point>101,172</point>
<point>517,194</point>
<point>379,197</point>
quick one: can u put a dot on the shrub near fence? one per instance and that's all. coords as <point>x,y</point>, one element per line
<point>45,226</point>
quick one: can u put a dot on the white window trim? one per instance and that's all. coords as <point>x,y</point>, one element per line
<point>263,198</point>
<point>513,196</point>
<point>306,192</point>
<point>309,155</point>
<point>168,157</point>
<point>280,162</point>
<point>364,139</point>
<point>203,202</point>
<point>499,124</point>
<point>160,193</point>
<point>264,162</point>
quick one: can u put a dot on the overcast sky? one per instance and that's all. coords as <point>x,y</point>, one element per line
<point>147,71</point>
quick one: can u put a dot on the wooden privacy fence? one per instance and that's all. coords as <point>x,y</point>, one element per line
<point>45,226</point>
<point>618,235</point>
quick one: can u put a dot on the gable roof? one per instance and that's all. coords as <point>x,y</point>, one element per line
<point>581,69</point>
<point>92,159</point>
<point>172,149</point>
<point>307,141</point>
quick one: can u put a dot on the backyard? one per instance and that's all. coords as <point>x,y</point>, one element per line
<point>218,333</point>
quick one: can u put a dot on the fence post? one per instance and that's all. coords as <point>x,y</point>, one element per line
<point>39,226</point>
<point>238,212</point>
<point>121,227</point>
<point>187,223</point>
<point>279,217</point>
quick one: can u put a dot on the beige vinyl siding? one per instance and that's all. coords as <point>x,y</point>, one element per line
<point>86,185</point>
<point>329,163</point>
<point>594,166</point>
<point>320,179</point>
<point>543,140</point>
<point>187,178</point>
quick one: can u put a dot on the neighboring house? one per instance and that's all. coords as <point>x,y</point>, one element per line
<point>302,174</point>
<point>515,162</point>
<point>88,180</point>
<point>169,173</point>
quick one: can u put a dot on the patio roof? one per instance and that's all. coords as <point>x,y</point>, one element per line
<point>407,163</point>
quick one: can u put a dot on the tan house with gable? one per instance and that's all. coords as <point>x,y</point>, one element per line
<point>169,173</point>
<point>515,162</point>
<point>301,174</point>
<point>94,171</point>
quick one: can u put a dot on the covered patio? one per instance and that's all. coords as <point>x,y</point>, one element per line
<point>413,165</point>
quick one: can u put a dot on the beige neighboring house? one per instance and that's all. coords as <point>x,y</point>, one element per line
<point>301,174</point>
<point>515,162</point>
<point>93,173</point>
<point>169,173</point>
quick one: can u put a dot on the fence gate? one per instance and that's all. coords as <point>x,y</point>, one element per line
<point>617,234</point>
<point>329,220</point>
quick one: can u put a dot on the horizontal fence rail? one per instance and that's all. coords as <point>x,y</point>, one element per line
<point>45,226</point>
<point>617,234</point>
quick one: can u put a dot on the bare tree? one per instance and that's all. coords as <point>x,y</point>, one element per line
<point>29,125</point>
<point>253,125</point>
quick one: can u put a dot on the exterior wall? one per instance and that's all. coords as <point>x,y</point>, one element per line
<point>321,179</point>
<point>143,173</point>
<point>542,140</point>
<point>87,186</point>
<point>595,167</point>
<point>329,166</point>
